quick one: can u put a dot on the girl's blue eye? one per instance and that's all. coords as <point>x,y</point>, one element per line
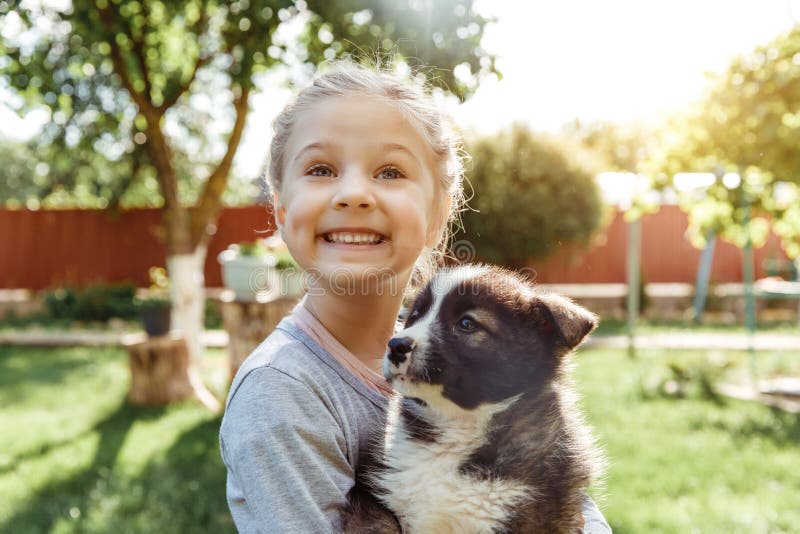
<point>320,170</point>
<point>390,173</point>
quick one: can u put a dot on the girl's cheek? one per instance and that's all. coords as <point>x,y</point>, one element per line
<point>300,220</point>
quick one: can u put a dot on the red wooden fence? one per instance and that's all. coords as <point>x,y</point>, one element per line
<point>667,255</point>
<point>40,249</point>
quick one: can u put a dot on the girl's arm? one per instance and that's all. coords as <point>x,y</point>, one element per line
<point>288,468</point>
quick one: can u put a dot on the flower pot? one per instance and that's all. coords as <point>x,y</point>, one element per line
<point>156,320</point>
<point>250,277</point>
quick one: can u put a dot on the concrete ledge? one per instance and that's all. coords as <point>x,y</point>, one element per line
<point>19,302</point>
<point>84,338</point>
<point>700,341</point>
<point>219,339</point>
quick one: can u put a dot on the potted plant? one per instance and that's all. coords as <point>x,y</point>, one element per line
<point>260,269</point>
<point>155,308</point>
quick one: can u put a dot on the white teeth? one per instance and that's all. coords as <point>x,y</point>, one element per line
<point>343,237</point>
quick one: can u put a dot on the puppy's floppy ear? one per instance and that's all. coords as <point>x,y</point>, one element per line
<point>573,321</point>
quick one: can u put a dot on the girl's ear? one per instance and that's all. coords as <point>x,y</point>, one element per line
<point>278,211</point>
<point>437,226</point>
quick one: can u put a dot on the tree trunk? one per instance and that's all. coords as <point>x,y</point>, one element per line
<point>159,371</point>
<point>187,292</point>
<point>187,231</point>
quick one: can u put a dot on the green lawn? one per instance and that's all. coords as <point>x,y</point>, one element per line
<point>692,464</point>
<point>610,326</point>
<point>74,457</point>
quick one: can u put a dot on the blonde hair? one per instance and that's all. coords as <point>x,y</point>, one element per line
<point>346,78</point>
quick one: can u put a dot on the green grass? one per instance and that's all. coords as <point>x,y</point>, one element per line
<point>610,326</point>
<point>75,457</point>
<point>693,464</point>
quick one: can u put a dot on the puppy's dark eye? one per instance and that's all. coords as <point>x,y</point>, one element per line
<point>467,324</point>
<point>411,317</point>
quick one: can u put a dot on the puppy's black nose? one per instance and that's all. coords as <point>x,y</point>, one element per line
<point>399,348</point>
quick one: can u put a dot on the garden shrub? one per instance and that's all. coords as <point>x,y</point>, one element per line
<point>102,302</point>
<point>212,318</point>
<point>531,199</point>
<point>687,377</point>
<point>60,302</point>
<point>98,302</point>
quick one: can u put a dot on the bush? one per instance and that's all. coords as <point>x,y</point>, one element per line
<point>92,303</point>
<point>212,318</point>
<point>60,303</point>
<point>104,301</point>
<point>687,377</point>
<point>531,199</point>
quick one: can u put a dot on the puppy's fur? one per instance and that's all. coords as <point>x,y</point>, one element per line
<point>485,436</point>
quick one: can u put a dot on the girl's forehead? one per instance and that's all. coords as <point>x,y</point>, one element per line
<point>361,121</point>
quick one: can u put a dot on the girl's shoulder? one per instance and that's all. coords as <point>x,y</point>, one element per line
<point>289,385</point>
<point>280,358</point>
<point>289,359</point>
<point>280,351</point>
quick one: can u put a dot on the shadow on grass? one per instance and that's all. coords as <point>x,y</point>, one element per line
<point>54,501</point>
<point>43,449</point>
<point>21,367</point>
<point>781,427</point>
<point>181,491</point>
<point>186,489</point>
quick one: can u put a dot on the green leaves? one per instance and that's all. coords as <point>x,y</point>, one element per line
<point>530,197</point>
<point>438,39</point>
<point>748,124</point>
<point>118,77</point>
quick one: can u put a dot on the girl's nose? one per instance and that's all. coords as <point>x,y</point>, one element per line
<point>354,191</point>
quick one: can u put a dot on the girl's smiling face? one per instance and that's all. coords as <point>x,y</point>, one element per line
<point>359,194</point>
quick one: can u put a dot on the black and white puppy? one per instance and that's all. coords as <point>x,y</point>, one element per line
<point>485,435</point>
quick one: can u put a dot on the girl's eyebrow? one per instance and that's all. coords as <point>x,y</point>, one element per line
<point>311,146</point>
<point>396,146</point>
<point>388,147</point>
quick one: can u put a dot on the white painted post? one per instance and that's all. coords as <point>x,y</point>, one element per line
<point>634,250</point>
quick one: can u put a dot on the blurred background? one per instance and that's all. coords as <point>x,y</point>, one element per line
<point>639,157</point>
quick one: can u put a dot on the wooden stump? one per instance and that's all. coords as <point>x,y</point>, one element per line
<point>159,370</point>
<point>249,323</point>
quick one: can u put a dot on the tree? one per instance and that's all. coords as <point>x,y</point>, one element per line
<point>530,198</point>
<point>19,180</point>
<point>121,78</point>
<point>617,148</point>
<point>747,127</point>
<point>47,177</point>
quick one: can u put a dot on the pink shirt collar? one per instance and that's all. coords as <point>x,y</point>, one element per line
<point>308,323</point>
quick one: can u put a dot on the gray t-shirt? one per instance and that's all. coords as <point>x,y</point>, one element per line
<point>294,422</point>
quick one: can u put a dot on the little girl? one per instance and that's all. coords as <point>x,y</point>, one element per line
<point>365,176</point>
